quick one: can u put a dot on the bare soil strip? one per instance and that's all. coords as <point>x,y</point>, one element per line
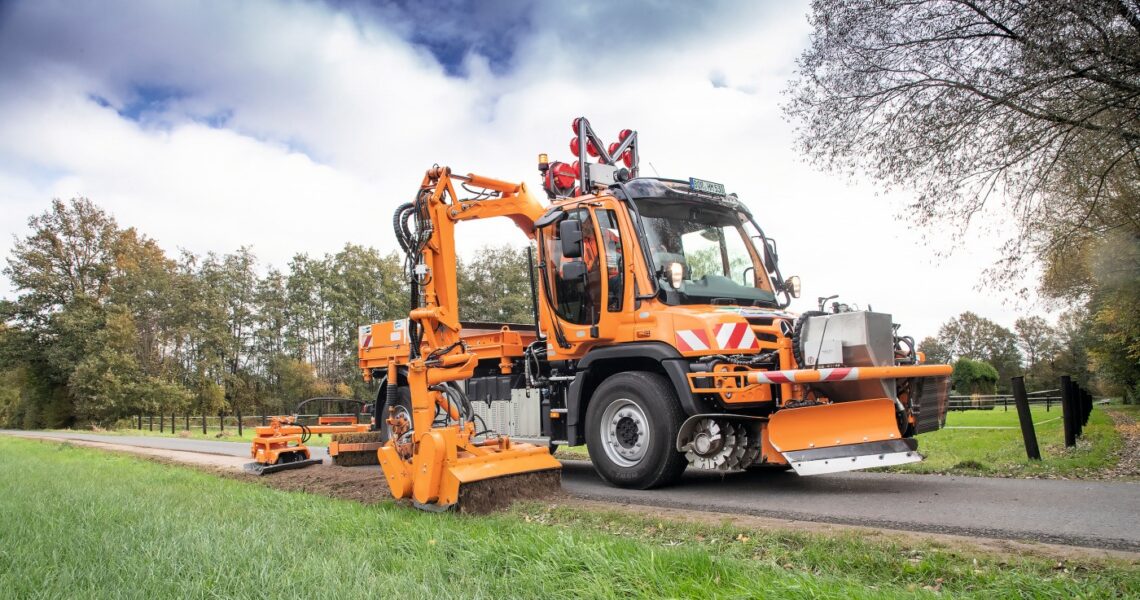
<point>367,485</point>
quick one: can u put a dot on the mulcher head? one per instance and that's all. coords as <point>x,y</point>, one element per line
<point>355,449</point>
<point>489,495</point>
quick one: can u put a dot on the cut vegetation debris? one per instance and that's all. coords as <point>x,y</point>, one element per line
<point>84,523</point>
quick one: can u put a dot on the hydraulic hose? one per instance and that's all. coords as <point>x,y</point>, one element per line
<point>400,225</point>
<point>797,349</point>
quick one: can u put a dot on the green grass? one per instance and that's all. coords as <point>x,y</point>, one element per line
<point>83,523</point>
<point>1001,452</point>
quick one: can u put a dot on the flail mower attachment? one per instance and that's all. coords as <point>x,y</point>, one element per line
<point>355,449</point>
<point>450,468</point>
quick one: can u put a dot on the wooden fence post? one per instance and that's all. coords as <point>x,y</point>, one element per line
<point>150,422</point>
<point>140,421</point>
<point>222,420</point>
<point>161,422</point>
<point>203,421</point>
<point>187,420</point>
<point>1078,423</point>
<point>238,411</point>
<point>1025,416</point>
<point>1067,417</point>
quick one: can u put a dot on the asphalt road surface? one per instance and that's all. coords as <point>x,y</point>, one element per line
<point>1096,514</point>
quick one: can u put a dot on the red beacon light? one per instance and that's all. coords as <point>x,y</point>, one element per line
<point>563,180</point>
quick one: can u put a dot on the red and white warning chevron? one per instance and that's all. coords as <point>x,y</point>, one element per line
<point>736,336</point>
<point>692,340</point>
<point>366,336</point>
<point>815,375</point>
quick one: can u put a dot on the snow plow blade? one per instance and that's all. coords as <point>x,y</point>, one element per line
<point>257,468</point>
<point>844,436</point>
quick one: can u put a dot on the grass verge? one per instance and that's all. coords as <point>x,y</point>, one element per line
<point>84,523</point>
<point>989,443</point>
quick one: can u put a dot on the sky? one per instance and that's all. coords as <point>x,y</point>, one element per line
<point>298,126</point>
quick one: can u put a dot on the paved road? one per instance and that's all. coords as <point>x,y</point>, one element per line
<point>1082,513</point>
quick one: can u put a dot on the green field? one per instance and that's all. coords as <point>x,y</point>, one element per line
<point>996,448</point>
<point>84,523</point>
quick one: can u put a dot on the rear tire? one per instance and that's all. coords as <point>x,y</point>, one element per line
<point>631,430</point>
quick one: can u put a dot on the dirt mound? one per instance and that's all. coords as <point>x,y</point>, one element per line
<point>367,485</point>
<point>361,484</point>
<point>356,458</point>
<point>490,495</point>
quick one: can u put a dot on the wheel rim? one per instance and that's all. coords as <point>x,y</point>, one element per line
<point>625,432</point>
<point>400,410</point>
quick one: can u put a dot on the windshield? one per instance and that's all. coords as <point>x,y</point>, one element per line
<point>710,243</point>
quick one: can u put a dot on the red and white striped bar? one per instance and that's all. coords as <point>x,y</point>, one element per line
<point>849,374</point>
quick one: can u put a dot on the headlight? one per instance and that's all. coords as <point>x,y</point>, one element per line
<point>792,286</point>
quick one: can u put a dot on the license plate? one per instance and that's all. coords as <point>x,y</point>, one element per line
<point>706,187</point>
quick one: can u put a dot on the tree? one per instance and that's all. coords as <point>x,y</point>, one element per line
<point>1037,341</point>
<point>495,286</point>
<point>1074,333</point>
<point>62,273</point>
<point>966,100</point>
<point>969,102</point>
<point>936,352</point>
<point>69,255</point>
<point>1115,344</point>
<point>972,377</point>
<point>978,338</point>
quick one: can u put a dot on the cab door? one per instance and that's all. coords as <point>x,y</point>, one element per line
<point>584,277</point>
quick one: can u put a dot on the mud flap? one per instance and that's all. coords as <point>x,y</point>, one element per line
<point>838,437</point>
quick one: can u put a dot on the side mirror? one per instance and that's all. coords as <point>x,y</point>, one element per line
<point>792,286</point>
<point>570,232</point>
<point>573,270</point>
<point>772,253</point>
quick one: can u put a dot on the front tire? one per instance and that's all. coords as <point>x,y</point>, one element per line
<point>631,430</point>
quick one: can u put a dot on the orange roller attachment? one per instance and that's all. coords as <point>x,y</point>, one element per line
<point>843,436</point>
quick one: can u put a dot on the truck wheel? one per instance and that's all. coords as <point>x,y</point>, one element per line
<point>631,430</point>
<point>403,405</point>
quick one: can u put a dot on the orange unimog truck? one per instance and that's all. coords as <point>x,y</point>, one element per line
<point>661,341</point>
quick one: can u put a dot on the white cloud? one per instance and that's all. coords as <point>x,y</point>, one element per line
<point>326,120</point>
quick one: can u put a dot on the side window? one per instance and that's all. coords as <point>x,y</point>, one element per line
<point>615,258</point>
<point>576,299</point>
